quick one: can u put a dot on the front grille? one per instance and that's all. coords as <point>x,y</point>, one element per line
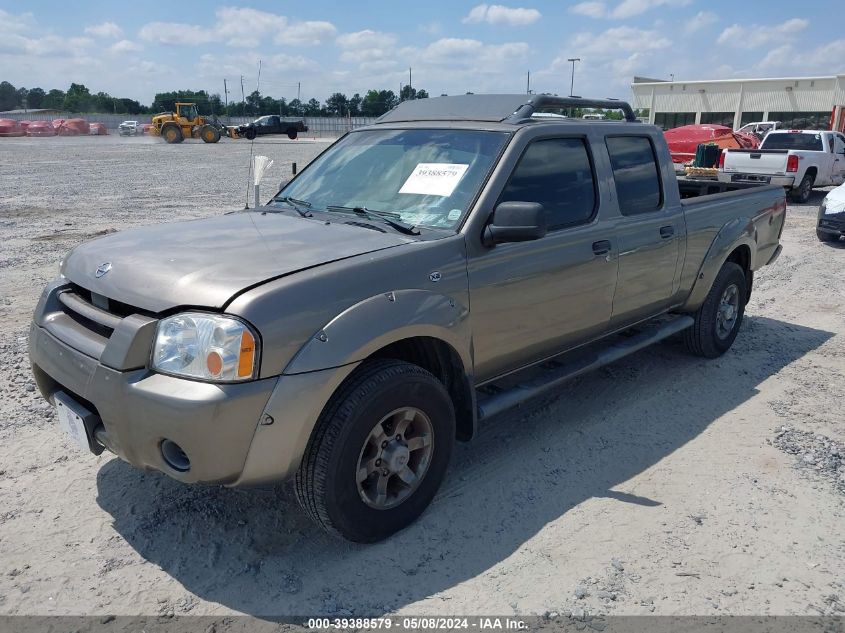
<point>94,312</point>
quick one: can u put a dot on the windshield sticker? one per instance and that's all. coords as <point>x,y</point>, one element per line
<point>455,214</point>
<point>434,179</point>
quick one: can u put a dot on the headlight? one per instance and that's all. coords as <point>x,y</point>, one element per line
<point>205,346</point>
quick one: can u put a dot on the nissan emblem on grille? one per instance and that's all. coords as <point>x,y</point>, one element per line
<point>102,269</point>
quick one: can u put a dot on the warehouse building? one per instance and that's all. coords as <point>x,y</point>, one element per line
<point>797,102</point>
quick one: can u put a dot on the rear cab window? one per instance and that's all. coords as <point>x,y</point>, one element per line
<point>793,140</point>
<point>557,173</point>
<point>636,174</point>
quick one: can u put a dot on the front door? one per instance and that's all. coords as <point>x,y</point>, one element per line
<point>649,232</point>
<point>838,174</point>
<point>532,299</point>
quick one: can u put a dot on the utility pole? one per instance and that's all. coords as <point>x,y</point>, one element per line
<point>528,84</point>
<point>298,90</point>
<point>243,97</point>
<point>572,81</point>
<point>410,85</point>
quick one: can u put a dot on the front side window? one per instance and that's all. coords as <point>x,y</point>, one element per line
<point>427,177</point>
<point>556,173</point>
<point>635,173</point>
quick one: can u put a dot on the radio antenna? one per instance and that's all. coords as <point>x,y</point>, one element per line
<point>251,147</point>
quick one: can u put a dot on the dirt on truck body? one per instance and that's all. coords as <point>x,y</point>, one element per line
<point>453,260</point>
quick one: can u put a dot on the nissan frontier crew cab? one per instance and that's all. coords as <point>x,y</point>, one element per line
<point>455,259</point>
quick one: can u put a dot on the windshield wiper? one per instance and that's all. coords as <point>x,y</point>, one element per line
<point>297,205</point>
<point>391,219</point>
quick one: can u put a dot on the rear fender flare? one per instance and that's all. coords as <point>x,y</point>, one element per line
<point>374,323</point>
<point>735,233</point>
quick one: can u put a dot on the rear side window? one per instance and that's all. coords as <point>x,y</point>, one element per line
<point>635,172</point>
<point>558,174</point>
<point>793,140</point>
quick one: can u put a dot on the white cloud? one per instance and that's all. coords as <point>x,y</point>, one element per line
<point>700,20</point>
<point>309,33</point>
<point>106,29</point>
<point>125,46</point>
<point>625,9</point>
<point>241,27</point>
<point>619,39</point>
<point>11,23</point>
<point>174,33</point>
<point>754,36</point>
<point>454,51</point>
<point>590,9</point>
<point>366,39</point>
<point>501,15</point>
<point>786,59</point>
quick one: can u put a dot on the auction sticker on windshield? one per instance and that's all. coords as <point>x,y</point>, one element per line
<point>434,179</point>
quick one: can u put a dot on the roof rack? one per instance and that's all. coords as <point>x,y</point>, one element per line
<point>543,102</point>
<point>493,108</point>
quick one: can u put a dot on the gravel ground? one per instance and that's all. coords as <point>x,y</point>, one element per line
<point>663,484</point>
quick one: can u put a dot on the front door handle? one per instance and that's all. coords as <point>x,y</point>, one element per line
<point>602,247</point>
<point>667,231</point>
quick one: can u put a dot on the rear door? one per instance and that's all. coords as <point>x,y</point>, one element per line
<point>648,234</point>
<point>532,299</point>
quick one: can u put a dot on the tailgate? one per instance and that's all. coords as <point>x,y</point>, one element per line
<point>755,161</point>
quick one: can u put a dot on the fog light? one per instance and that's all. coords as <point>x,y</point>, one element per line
<point>174,456</point>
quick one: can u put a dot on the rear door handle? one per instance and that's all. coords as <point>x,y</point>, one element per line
<point>602,247</point>
<point>667,231</point>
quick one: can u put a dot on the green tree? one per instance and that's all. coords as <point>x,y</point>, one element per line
<point>22,98</point>
<point>54,99</point>
<point>337,104</point>
<point>78,99</point>
<point>35,98</point>
<point>296,108</point>
<point>166,101</point>
<point>422,94</point>
<point>8,96</point>
<point>355,105</point>
<point>377,102</point>
<point>313,108</point>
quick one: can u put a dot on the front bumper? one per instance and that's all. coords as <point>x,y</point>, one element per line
<point>833,223</point>
<point>234,434</point>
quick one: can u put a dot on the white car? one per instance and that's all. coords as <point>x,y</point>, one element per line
<point>760,128</point>
<point>128,128</point>
<point>831,224</point>
<point>795,159</point>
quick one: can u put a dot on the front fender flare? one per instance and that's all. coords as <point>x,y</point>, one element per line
<point>738,232</point>
<point>374,323</point>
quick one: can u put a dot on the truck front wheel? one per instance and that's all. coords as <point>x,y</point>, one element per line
<point>718,319</point>
<point>378,452</point>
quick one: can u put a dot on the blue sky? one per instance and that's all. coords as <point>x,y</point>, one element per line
<point>137,49</point>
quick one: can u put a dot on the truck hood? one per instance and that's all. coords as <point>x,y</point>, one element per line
<point>204,263</point>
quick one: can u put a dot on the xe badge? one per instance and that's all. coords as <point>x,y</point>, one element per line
<point>102,269</point>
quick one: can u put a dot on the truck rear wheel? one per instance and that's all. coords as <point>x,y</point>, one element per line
<point>802,192</point>
<point>291,132</point>
<point>172,133</point>
<point>718,319</point>
<point>378,452</point>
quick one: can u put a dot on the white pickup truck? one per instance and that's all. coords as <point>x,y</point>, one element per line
<point>795,159</point>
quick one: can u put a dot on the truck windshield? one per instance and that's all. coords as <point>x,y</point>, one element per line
<point>793,140</point>
<point>426,177</point>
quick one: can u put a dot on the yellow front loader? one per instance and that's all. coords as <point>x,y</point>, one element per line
<point>186,122</point>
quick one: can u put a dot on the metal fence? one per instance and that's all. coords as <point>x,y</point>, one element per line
<point>317,126</point>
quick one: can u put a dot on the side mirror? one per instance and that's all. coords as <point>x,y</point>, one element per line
<point>515,222</point>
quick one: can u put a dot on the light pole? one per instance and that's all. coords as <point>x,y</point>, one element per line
<point>572,81</point>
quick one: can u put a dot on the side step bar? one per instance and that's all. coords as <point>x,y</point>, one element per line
<point>576,365</point>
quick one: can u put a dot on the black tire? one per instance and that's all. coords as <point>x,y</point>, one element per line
<point>824,236</point>
<point>707,337</point>
<point>291,132</point>
<point>249,133</point>
<point>802,192</point>
<point>172,133</point>
<point>209,134</point>
<point>326,484</point>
